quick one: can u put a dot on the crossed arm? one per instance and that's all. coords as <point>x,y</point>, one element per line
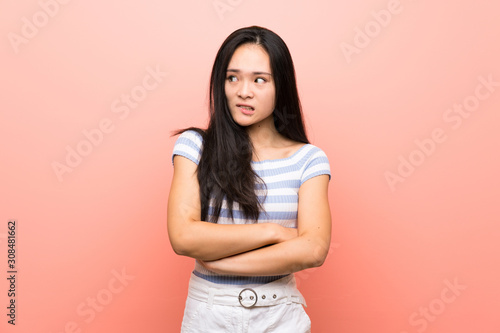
<point>242,249</point>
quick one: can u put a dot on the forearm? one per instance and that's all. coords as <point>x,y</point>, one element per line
<point>287,257</point>
<point>210,241</point>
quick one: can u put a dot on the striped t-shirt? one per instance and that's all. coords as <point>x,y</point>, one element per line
<point>282,178</point>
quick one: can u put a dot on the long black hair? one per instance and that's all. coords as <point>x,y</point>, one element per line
<point>224,170</point>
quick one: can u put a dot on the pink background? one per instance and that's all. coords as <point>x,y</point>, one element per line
<point>396,247</point>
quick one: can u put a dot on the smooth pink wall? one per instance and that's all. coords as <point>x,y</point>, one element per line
<point>403,96</point>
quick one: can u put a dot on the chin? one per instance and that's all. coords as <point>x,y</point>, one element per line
<point>244,123</point>
<point>242,120</point>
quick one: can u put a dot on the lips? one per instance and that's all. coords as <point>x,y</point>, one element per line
<point>245,106</point>
<point>246,109</point>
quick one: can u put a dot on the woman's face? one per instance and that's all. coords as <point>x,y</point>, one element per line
<point>250,90</point>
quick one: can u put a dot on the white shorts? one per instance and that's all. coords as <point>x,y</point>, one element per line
<point>217,308</point>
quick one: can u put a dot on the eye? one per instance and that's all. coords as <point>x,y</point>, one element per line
<point>232,78</point>
<point>260,80</point>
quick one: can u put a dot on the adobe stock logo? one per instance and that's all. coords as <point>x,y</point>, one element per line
<point>89,309</point>
<point>30,27</point>
<point>373,28</point>
<point>223,6</point>
<point>453,116</point>
<point>94,137</point>
<point>428,314</point>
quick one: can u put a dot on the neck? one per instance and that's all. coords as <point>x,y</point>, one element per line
<point>263,133</point>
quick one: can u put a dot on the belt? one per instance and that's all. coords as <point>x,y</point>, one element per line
<point>283,290</point>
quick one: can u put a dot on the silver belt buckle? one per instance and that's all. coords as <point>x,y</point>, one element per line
<point>252,298</point>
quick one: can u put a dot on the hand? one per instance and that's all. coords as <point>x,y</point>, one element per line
<point>215,266</point>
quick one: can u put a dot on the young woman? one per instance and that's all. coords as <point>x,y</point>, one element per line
<point>263,187</point>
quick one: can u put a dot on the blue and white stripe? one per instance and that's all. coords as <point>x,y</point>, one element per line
<point>282,177</point>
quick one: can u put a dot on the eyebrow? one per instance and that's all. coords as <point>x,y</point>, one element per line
<point>257,73</point>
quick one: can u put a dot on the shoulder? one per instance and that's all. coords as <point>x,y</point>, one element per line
<point>309,152</point>
<point>189,144</point>
<point>305,150</point>
<point>190,136</point>
<point>315,162</point>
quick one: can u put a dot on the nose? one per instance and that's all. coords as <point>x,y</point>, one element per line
<point>245,90</point>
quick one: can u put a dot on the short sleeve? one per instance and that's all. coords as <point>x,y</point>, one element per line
<point>188,145</point>
<point>316,165</point>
